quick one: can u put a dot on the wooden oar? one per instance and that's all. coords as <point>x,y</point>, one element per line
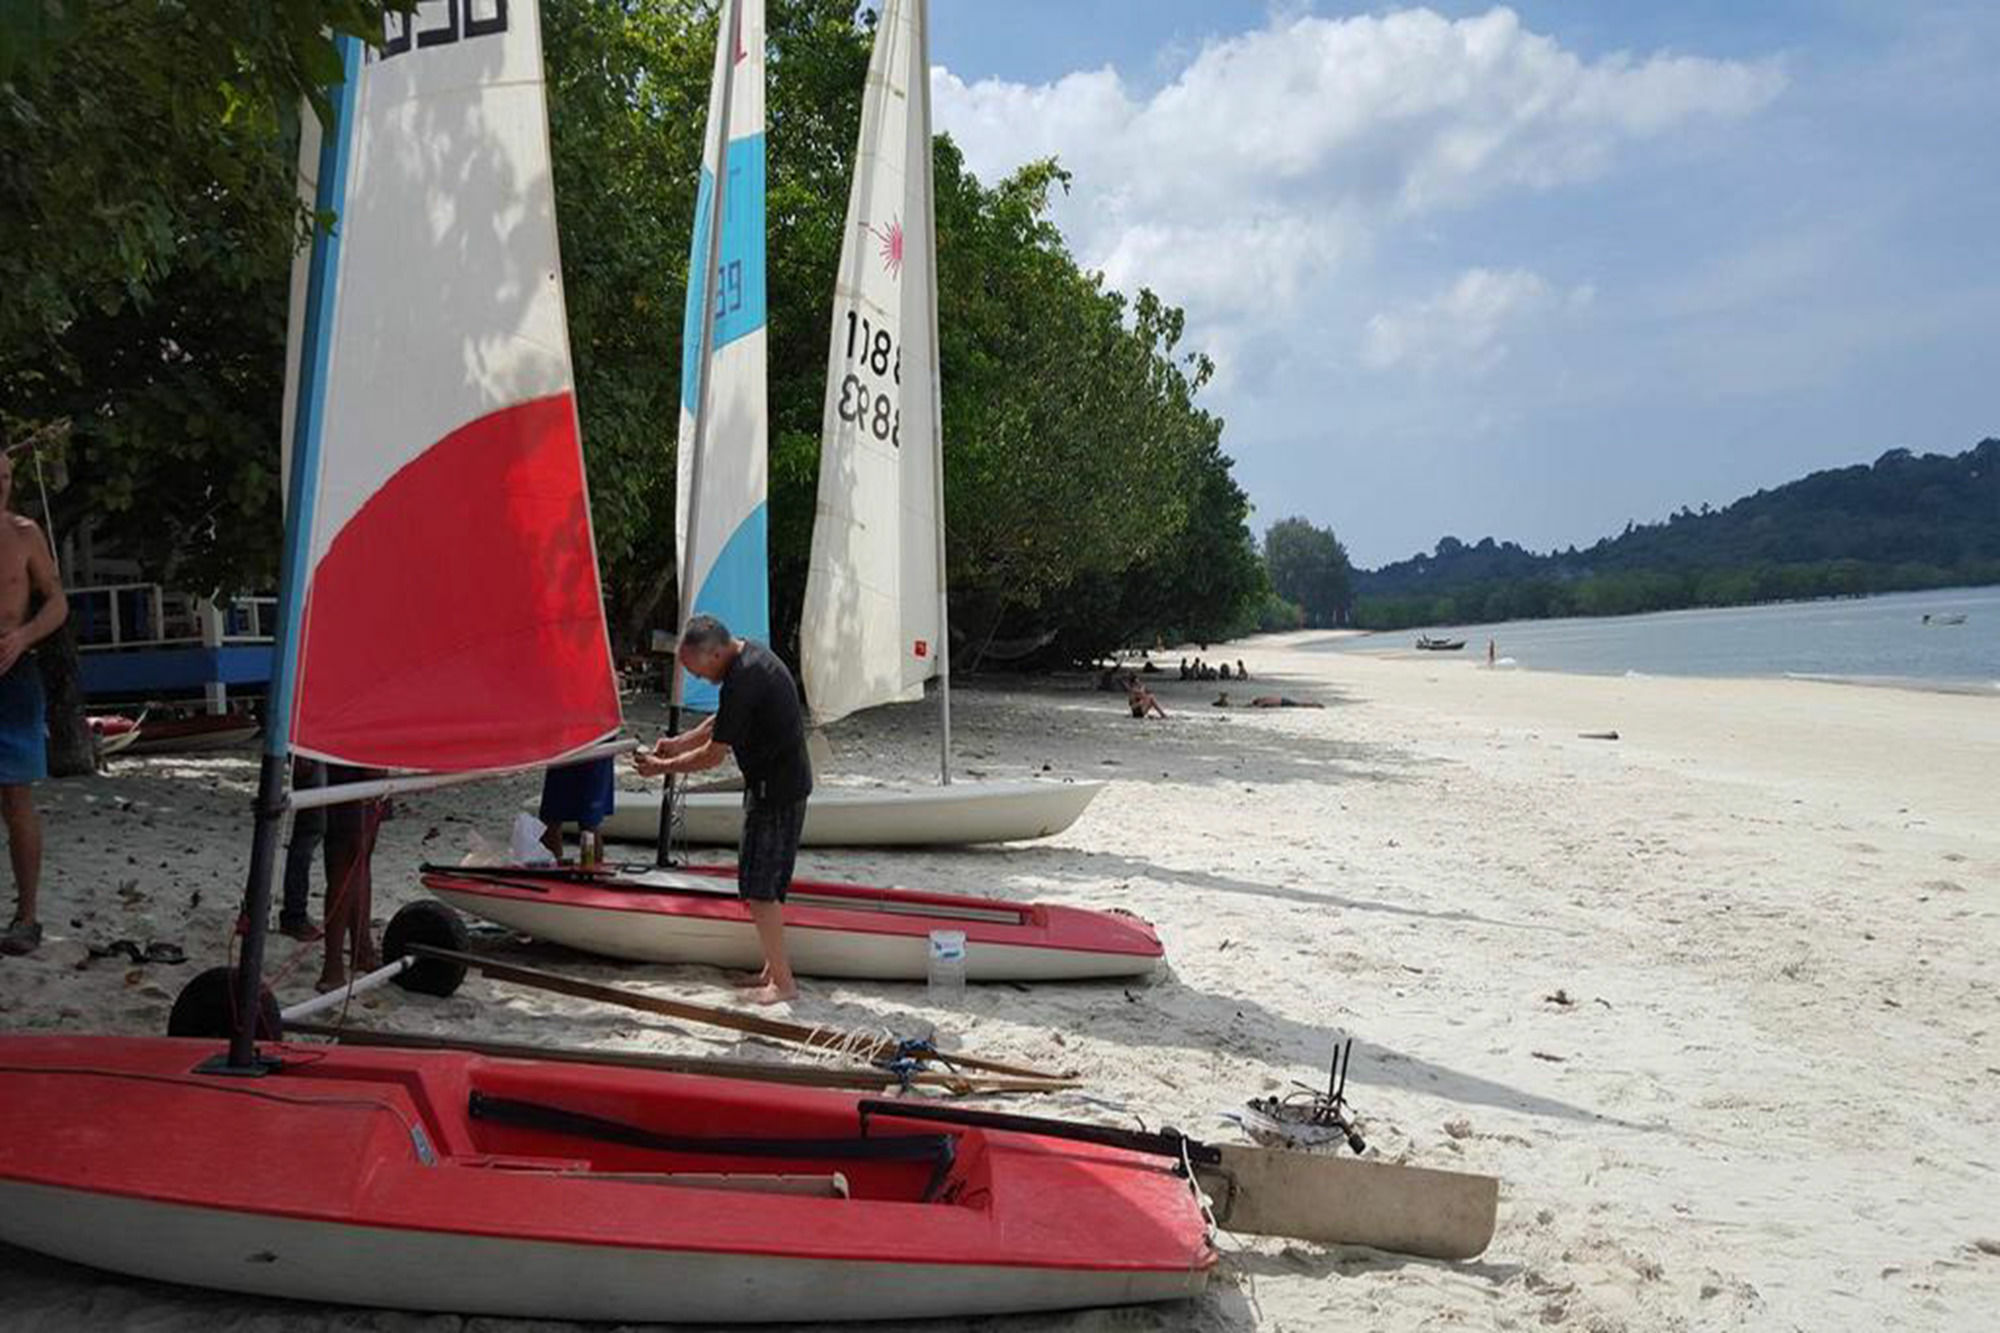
<point>850,1078</point>
<point>1276,1192</point>
<point>856,1044</point>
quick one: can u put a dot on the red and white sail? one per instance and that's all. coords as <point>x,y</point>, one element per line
<point>452,613</point>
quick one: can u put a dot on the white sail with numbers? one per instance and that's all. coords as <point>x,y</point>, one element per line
<point>872,631</point>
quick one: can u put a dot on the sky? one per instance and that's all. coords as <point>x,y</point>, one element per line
<point>1525,272</point>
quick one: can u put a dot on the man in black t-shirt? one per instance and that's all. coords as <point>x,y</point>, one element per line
<point>760,721</point>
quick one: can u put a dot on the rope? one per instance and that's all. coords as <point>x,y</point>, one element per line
<point>48,516</point>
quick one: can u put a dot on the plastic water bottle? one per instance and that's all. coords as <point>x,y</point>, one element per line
<point>947,967</point>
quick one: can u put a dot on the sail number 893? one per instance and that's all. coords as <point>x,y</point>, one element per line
<point>873,413</point>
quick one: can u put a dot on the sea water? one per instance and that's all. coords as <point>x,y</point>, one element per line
<point>1864,640</point>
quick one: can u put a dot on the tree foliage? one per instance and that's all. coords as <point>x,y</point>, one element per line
<point>1308,568</point>
<point>1906,522</point>
<point>148,215</point>
<point>150,220</point>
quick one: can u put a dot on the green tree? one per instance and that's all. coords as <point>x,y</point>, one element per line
<point>1308,566</point>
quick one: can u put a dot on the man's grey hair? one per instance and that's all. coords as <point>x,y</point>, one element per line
<point>705,632</point>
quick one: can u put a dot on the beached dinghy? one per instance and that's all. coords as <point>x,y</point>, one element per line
<point>941,816</point>
<point>458,1183</point>
<point>693,915</point>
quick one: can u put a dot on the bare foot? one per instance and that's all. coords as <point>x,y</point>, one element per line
<point>367,960</point>
<point>330,981</point>
<point>771,994</point>
<point>751,980</point>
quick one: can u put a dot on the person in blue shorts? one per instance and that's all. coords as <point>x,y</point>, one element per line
<point>27,573</point>
<point>579,794</point>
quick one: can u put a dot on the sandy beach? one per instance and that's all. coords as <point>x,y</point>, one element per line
<point>1716,1000</point>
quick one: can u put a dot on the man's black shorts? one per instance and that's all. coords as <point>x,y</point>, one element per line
<point>770,850</point>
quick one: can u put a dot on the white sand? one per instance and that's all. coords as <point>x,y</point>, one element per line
<point>1773,906</point>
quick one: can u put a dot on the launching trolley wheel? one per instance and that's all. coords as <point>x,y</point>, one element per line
<point>206,1007</point>
<point>432,923</point>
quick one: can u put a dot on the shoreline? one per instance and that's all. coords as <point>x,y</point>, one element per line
<point>1955,685</point>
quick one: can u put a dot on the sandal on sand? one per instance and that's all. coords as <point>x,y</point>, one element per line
<point>23,937</point>
<point>128,949</point>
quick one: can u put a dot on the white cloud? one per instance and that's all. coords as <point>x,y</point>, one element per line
<point>1464,328</point>
<point>1276,157</point>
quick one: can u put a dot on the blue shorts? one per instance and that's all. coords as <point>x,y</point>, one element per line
<point>579,794</point>
<point>24,726</point>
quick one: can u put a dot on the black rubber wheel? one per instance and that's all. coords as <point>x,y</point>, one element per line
<point>206,1007</point>
<point>432,923</point>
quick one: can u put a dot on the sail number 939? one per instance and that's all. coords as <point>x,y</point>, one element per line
<point>873,354</point>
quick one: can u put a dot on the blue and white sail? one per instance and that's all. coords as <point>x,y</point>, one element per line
<point>725,562</point>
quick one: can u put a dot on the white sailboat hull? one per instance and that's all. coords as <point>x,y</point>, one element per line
<point>648,937</point>
<point>349,1263</point>
<point>964,812</point>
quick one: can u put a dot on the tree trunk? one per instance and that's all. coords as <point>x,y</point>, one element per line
<point>72,753</point>
<point>639,618</point>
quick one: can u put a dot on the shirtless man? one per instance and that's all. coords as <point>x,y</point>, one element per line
<point>27,572</point>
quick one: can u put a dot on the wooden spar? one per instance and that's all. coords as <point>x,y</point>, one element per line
<point>844,1077</point>
<point>830,1039</point>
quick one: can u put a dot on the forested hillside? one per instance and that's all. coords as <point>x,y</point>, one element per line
<point>1906,521</point>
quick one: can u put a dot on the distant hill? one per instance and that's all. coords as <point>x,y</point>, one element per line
<point>1906,521</point>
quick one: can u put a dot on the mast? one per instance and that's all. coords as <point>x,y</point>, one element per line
<point>922,93</point>
<point>711,263</point>
<point>330,192</point>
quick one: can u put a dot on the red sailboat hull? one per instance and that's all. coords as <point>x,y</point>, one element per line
<point>412,1180</point>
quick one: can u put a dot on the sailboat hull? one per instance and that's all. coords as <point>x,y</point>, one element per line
<point>370,1177</point>
<point>831,930</point>
<point>962,813</point>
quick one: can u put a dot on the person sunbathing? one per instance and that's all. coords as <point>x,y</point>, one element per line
<point>1141,701</point>
<point>1282,701</point>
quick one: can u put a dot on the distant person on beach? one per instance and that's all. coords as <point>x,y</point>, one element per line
<point>760,721</point>
<point>27,572</point>
<point>1225,671</point>
<point>1489,652</point>
<point>1282,701</point>
<point>580,794</point>
<point>1221,700</point>
<point>1242,672</point>
<point>1141,701</point>
<point>308,831</point>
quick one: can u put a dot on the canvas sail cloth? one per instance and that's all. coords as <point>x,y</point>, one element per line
<point>729,558</point>
<point>451,618</point>
<point>871,628</point>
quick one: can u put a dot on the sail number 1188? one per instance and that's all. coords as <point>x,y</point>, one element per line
<point>873,354</point>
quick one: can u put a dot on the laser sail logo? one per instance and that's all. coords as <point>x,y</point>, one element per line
<point>889,244</point>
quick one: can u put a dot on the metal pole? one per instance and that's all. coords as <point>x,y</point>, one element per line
<point>923,95</point>
<point>726,37</point>
<point>330,198</point>
<point>314,798</point>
